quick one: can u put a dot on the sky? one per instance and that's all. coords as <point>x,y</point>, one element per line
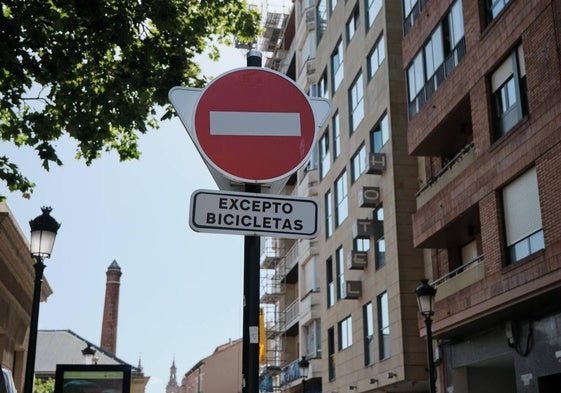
<point>181,291</point>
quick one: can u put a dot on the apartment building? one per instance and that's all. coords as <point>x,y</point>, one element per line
<point>484,107</point>
<point>345,300</point>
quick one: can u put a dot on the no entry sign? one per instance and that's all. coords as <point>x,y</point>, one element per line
<point>253,125</point>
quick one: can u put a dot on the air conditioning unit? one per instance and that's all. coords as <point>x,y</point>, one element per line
<point>352,289</point>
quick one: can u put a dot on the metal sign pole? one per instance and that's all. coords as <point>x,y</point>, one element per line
<point>250,350</point>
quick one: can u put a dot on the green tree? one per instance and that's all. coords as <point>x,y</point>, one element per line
<point>98,69</point>
<point>44,385</point>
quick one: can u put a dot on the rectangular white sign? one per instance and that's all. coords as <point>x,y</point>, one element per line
<point>254,214</point>
<point>255,123</point>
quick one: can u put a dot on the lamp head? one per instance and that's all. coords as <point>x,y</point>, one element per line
<point>43,233</point>
<point>304,365</point>
<point>425,297</point>
<point>88,354</point>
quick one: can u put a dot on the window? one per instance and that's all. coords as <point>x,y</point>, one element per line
<point>455,27</point>
<point>373,7</point>
<point>312,334</point>
<point>345,333</point>
<point>330,283</point>
<point>309,281</point>
<point>324,155</point>
<point>411,11</point>
<point>337,68</point>
<point>522,217</point>
<point>356,103</point>
<point>376,57</point>
<point>436,60</point>
<point>380,134</point>
<point>368,322</point>
<point>313,163</point>
<point>340,267</point>
<point>380,243</point>
<point>331,353</point>
<point>7,381</point>
<point>321,18</point>
<point>383,326</point>
<point>415,82</point>
<point>352,24</point>
<point>341,204</point>
<point>332,4</point>
<point>361,245</point>
<point>468,252</point>
<point>328,215</point>
<point>508,84</point>
<point>322,86</point>
<point>336,136</point>
<point>358,163</point>
<point>494,7</point>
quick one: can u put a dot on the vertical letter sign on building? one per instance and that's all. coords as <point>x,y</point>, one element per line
<point>253,125</point>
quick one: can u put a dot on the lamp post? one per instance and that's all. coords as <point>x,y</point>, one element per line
<point>425,298</point>
<point>304,365</point>
<point>88,354</point>
<point>43,233</point>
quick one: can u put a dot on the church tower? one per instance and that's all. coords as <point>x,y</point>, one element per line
<point>111,309</point>
<point>172,384</point>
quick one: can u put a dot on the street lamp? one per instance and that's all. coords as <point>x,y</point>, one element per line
<point>425,298</point>
<point>43,234</point>
<point>88,354</point>
<point>304,365</point>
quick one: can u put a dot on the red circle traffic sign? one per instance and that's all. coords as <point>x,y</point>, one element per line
<point>254,125</point>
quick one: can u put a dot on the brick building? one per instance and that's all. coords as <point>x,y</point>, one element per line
<point>484,99</point>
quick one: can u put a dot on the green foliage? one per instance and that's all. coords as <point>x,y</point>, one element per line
<point>44,385</point>
<point>97,69</point>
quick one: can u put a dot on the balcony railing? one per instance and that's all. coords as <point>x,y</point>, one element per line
<point>459,278</point>
<point>289,373</point>
<point>445,175</point>
<point>291,257</point>
<point>291,313</point>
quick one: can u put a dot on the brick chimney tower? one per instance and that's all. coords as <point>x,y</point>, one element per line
<point>111,309</point>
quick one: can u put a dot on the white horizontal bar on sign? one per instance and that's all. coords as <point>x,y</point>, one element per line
<point>255,123</point>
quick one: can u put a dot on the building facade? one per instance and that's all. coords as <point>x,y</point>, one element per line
<point>220,372</point>
<point>484,107</point>
<point>16,293</point>
<point>345,300</point>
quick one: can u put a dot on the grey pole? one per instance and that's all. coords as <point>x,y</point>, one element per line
<point>250,349</point>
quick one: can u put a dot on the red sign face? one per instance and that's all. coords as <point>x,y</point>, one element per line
<point>254,125</point>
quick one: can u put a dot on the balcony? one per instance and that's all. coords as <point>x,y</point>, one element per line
<point>436,183</point>
<point>307,249</point>
<point>310,307</point>
<point>291,314</point>
<point>291,258</point>
<point>459,278</point>
<point>290,373</point>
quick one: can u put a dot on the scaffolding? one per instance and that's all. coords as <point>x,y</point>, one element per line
<point>279,303</point>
